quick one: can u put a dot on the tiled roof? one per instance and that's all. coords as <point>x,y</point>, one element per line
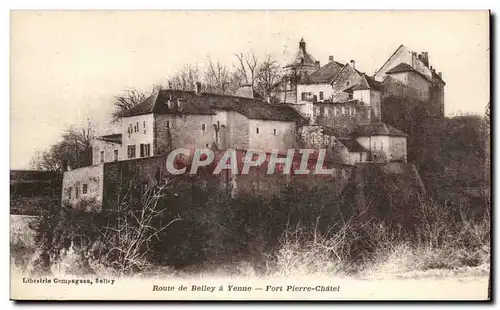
<point>368,82</point>
<point>377,129</point>
<point>325,74</point>
<point>113,138</point>
<point>337,102</point>
<point>207,103</point>
<point>402,67</point>
<point>352,145</point>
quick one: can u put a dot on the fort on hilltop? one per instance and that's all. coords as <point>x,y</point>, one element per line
<point>334,107</point>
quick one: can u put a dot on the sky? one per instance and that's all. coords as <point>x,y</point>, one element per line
<point>66,66</point>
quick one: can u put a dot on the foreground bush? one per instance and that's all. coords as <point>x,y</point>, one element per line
<point>299,231</point>
<point>445,238</point>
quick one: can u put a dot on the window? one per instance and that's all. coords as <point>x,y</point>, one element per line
<point>302,60</point>
<point>77,191</point>
<point>347,83</point>
<point>257,130</point>
<point>360,157</point>
<point>145,150</point>
<point>168,124</point>
<point>206,144</point>
<point>116,155</point>
<point>320,95</point>
<point>144,126</point>
<point>203,127</point>
<point>274,132</point>
<point>303,96</point>
<point>131,151</point>
<point>84,189</point>
<point>69,190</point>
<point>136,126</point>
<point>349,95</point>
<point>218,124</point>
<point>101,156</point>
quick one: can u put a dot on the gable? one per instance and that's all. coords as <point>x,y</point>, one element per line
<point>346,78</point>
<point>325,74</point>
<point>400,55</point>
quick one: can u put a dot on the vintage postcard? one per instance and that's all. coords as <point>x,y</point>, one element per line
<point>250,155</point>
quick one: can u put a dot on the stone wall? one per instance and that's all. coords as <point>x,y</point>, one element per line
<point>272,135</point>
<point>109,151</point>
<point>347,77</point>
<point>187,131</point>
<point>75,182</point>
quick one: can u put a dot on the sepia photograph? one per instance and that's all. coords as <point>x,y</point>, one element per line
<point>250,155</point>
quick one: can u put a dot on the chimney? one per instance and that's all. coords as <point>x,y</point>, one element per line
<point>302,44</point>
<point>170,102</point>
<point>353,64</point>
<point>317,64</point>
<point>425,58</point>
<point>197,88</point>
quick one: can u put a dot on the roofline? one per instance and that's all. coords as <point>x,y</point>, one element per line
<point>338,140</point>
<point>390,57</point>
<point>377,134</point>
<point>359,73</point>
<point>410,70</point>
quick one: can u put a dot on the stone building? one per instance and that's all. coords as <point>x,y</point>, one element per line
<point>334,107</point>
<point>171,119</point>
<point>340,99</point>
<point>295,73</point>
<point>383,143</point>
<point>409,74</point>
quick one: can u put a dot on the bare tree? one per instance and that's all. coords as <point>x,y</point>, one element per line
<point>185,79</point>
<point>74,150</point>
<point>125,241</point>
<point>247,67</point>
<point>130,98</point>
<point>127,100</point>
<point>267,77</point>
<point>217,77</point>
